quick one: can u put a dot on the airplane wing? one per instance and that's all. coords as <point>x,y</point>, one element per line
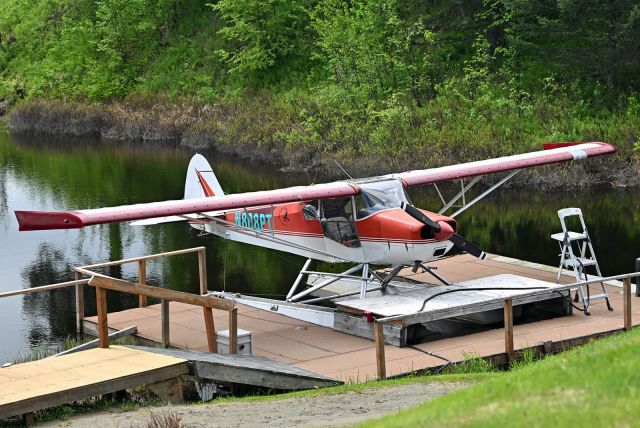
<point>45,220</point>
<point>553,153</point>
<point>559,152</point>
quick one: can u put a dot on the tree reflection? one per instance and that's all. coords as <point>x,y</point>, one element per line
<point>4,203</point>
<point>48,313</point>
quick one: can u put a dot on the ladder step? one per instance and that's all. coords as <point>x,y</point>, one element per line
<point>573,236</point>
<point>580,261</point>
<point>598,296</point>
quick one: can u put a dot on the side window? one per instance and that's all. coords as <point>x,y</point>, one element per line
<point>337,207</point>
<point>337,221</point>
<point>361,206</point>
<point>310,211</point>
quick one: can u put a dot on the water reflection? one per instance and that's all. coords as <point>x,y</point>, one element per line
<point>4,205</point>
<point>42,310</point>
<point>65,174</point>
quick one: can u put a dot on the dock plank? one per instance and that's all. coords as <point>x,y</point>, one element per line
<point>45,383</point>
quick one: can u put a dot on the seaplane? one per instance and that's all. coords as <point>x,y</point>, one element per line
<point>364,222</point>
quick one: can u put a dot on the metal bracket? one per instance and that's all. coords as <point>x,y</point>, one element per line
<point>429,270</point>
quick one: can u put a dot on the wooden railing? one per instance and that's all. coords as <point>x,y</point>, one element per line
<point>86,275</point>
<point>103,282</point>
<point>507,305</point>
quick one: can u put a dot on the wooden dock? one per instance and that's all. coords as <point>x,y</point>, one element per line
<point>345,357</point>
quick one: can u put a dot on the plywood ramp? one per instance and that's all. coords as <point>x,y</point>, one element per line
<point>350,358</point>
<point>45,383</point>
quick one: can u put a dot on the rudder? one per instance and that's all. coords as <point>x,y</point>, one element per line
<point>201,181</point>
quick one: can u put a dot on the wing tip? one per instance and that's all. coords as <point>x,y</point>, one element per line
<point>46,220</point>
<point>603,149</point>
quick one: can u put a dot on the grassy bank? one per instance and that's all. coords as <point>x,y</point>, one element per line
<point>295,132</point>
<point>378,85</point>
<point>593,385</point>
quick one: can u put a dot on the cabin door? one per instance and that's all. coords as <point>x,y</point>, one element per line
<point>337,217</point>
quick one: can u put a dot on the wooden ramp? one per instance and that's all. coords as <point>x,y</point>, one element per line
<point>50,382</point>
<point>40,384</point>
<point>247,369</point>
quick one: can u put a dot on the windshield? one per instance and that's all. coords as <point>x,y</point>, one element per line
<point>380,196</point>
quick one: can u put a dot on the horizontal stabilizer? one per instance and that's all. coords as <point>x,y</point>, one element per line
<point>158,220</point>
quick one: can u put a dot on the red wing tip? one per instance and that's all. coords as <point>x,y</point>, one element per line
<point>45,220</point>
<point>550,146</point>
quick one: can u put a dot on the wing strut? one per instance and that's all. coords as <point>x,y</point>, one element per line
<point>485,193</point>
<point>460,194</point>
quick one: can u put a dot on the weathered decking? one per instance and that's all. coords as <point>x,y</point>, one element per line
<point>50,382</point>
<point>349,358</point>
<point>36,385</point>
<point>246,369</point>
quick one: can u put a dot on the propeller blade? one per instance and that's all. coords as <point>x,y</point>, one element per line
<point>462,244</point>
<point>419,215</point>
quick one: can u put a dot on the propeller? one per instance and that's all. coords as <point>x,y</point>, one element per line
<point>443,231</point>
<point>462,244</point>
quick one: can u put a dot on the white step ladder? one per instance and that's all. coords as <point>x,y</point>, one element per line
<point>578,260</point>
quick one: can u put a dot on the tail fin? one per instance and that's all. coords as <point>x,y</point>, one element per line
<point>201,181</point>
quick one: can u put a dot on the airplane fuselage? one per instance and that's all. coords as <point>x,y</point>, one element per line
<point>386,236</point>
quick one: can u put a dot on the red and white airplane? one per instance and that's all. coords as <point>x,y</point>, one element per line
<point>362,221</point>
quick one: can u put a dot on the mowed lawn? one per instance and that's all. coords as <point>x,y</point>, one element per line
<point>596,385</point>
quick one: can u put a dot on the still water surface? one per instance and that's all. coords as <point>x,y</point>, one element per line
<point>62,174</point>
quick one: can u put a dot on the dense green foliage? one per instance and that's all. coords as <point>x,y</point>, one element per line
<point>444,78</point>
<point>600,379</point>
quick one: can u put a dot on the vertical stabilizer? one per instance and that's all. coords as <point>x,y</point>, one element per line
<point>201,181</point>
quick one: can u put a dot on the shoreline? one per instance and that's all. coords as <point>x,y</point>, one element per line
<point>211,127</point>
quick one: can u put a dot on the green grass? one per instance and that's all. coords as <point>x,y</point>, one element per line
<point>472,363</point>
<point>594,385</point>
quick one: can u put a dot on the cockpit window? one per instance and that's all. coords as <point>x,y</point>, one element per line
<point>378,196</point>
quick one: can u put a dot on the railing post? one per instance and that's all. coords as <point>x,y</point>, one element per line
<point>638,277</point>
<point>508,328</point>
<point>233,331</point>
<point>380,358</point>
<point>626,297</point>
<point>79,304</point>
<point>103,325</point>
<point>210,329</point>
<point>142,279</point>
<point>164,312</point>
<point>202,270</point>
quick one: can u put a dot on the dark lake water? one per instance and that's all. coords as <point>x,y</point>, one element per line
<point>62,174</point>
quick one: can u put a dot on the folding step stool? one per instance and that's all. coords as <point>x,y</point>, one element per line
<point>580,260</point>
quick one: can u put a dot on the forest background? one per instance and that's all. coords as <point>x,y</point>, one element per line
<point>378,85</point>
